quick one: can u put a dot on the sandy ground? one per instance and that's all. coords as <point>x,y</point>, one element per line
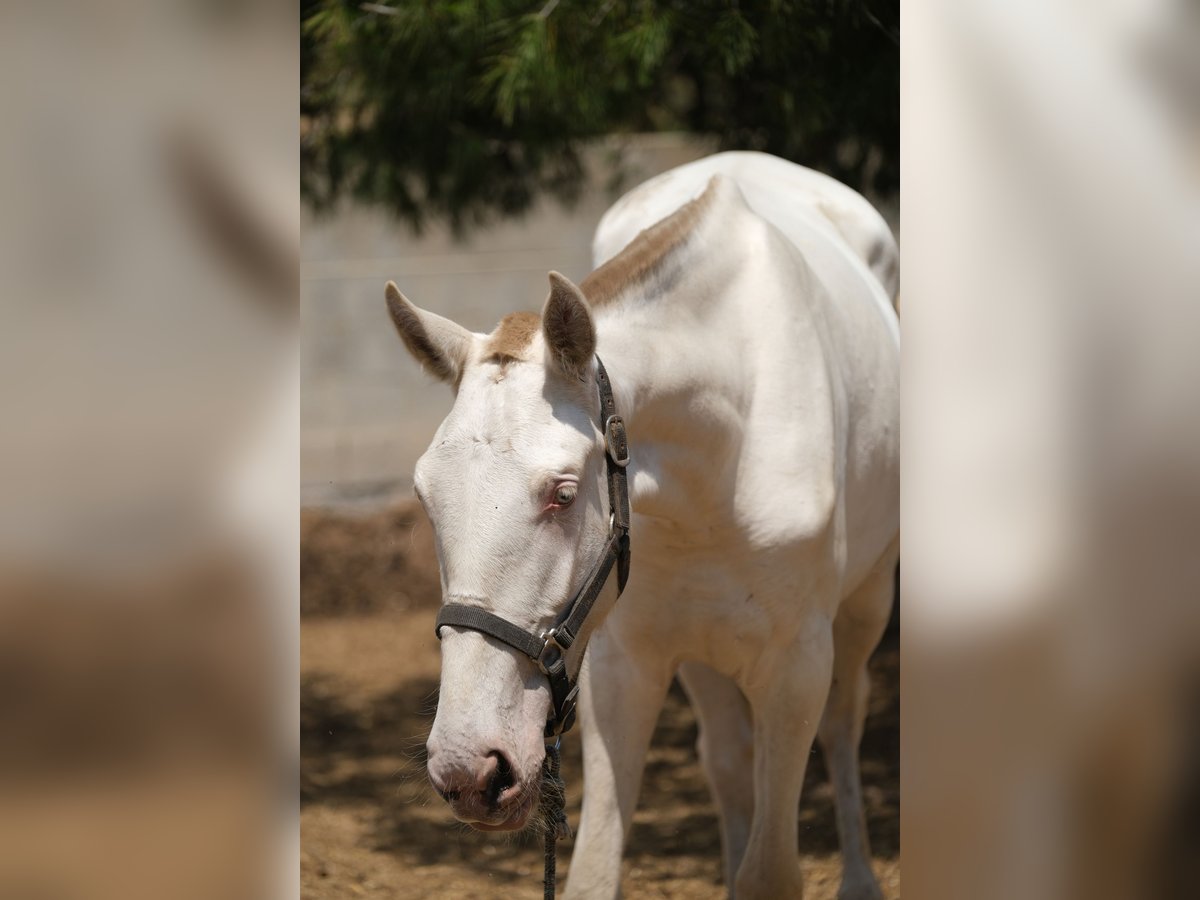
<point>372,827</point>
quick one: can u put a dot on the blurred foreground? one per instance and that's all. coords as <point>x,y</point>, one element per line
<point>148,536</point>
<point>1051,450</point>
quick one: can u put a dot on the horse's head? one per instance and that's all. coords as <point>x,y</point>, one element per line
<point>514,484</point>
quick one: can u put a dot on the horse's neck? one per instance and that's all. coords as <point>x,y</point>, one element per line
<point>679,386</point>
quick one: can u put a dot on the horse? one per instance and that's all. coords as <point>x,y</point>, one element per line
<point>741,321</point>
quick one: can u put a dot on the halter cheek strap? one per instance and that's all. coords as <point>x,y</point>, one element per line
<point>549,648</point>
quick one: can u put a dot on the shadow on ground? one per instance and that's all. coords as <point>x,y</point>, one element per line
<point>363,755</point>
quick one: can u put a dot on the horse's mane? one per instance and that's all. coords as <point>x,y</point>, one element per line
<point>645,255</point>
<point>647,252</point>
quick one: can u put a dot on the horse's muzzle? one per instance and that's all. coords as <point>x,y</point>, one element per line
<point>484,791</point>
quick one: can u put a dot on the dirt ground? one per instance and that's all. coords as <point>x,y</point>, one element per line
<point>372,827</point>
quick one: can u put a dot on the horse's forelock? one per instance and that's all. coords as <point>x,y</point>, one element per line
<point>512,339</point>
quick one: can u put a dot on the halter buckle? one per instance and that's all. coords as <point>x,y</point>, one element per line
<point>552,654</point>
<point>563,718</point>
<point>615,441</point>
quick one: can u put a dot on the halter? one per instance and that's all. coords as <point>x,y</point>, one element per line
<point>549,648</point>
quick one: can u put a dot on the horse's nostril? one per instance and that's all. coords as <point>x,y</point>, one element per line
<point>502,777</point>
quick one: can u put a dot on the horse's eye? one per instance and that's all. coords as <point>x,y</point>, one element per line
<point>564,495</point>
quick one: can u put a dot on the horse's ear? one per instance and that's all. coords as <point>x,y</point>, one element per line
<point>438,344</point>
<point>567,325</point>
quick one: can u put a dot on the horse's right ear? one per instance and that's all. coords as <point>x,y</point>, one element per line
<point>438,344</point>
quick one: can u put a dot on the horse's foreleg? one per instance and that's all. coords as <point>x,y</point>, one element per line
<point>787,691</point>
<point>620,698</point>
<point>726,746</point>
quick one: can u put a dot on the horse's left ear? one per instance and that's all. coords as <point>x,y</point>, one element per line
<point>567,325</point>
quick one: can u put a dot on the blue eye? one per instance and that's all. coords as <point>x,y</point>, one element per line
<point>565,495</point>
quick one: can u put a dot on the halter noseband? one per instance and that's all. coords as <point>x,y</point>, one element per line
<point>549,649</point>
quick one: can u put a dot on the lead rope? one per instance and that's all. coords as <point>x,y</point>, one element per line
<point>554,814</point>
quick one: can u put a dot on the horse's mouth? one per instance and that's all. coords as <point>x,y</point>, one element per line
<point>515,820</point>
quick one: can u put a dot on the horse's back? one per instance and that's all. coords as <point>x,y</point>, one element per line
<point>821,426</point>
<point>791,197</point>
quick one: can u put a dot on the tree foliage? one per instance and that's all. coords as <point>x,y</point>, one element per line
<point>468,109</point>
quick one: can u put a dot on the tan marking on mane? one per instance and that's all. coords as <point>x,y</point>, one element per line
<point>512,337</point>
<point>647,252</point>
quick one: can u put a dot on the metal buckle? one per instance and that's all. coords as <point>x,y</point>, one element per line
<point>563,718</point>
<point>610,444</point>
<point>550,641</point>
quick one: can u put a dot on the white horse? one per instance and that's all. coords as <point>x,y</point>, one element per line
<point>741,308</point>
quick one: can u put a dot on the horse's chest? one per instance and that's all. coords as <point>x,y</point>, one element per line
<point>719,603</point>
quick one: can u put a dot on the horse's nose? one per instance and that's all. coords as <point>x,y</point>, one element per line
<point>478,784</point>
<point>495,777</point>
